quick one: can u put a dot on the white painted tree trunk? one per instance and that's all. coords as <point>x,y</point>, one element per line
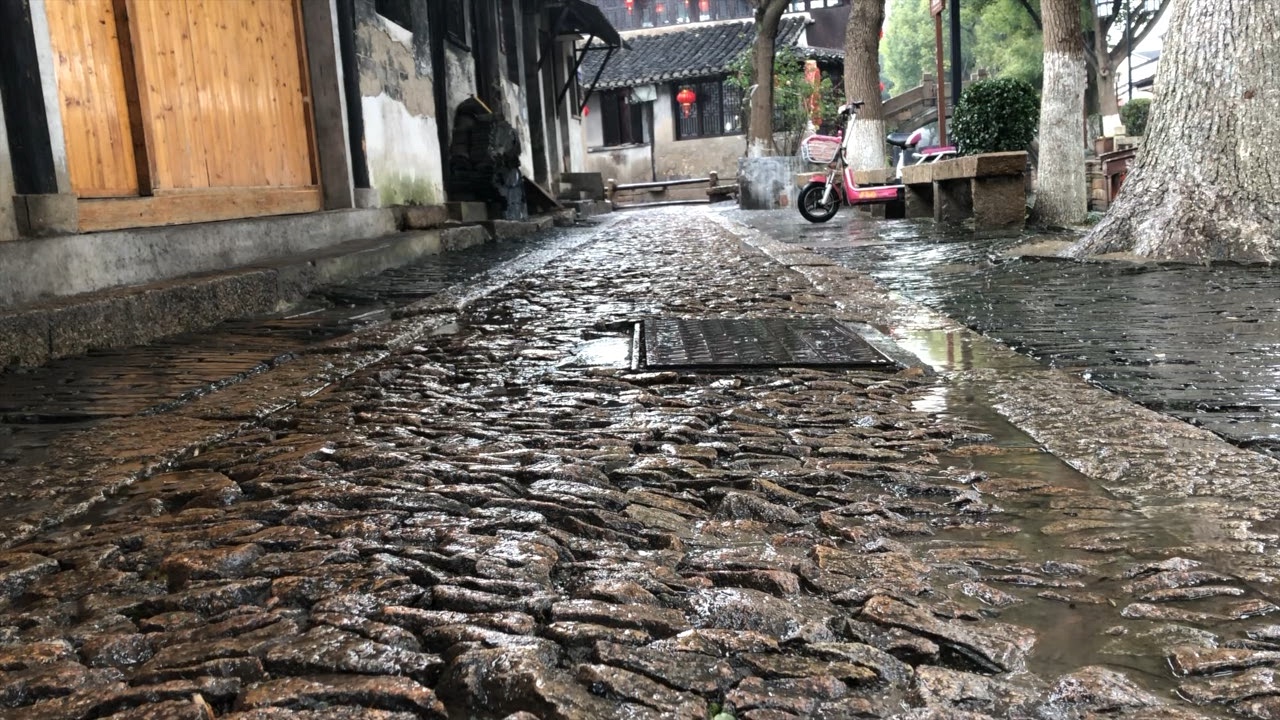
<point>862,83</point>
<point>1206,185</point>
<point>1061,192</point>
<point>866,144</point>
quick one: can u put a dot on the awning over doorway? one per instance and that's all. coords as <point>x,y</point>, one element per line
<point>582,18</point>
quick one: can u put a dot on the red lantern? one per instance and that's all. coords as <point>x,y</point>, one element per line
<point>704,6</point>
<point>631,5</point>
<point>686,98</point>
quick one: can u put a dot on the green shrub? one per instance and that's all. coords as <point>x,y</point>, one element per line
<point>998,115</point>
<point>1134,116</point>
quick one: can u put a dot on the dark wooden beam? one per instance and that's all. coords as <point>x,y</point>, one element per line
<point>24,113</point>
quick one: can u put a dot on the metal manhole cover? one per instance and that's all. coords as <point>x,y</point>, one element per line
<point>756,342</point>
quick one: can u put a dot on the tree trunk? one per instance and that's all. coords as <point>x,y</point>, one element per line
<point>1104,76</point>
<point>862,82</point>
<point>1061,196</point>
<point>760,128</point>
<point>1206,184</point>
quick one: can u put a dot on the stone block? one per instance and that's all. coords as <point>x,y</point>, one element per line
<point>952,201</point>
<point>999,203</point>
<point>510,229</point>
<point>467,212</point>
<point>919,201</point>
<point>24,338</point>
<point>590,185</point>
<point>422,217</point>
<point>40,215</point>
<point>877,176</point>
<point>767,183</point>
<point>459,238</point>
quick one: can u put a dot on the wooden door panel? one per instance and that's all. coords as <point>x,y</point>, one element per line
<point>225,93</point>
<point>168,93</point>
<point>91,92</point>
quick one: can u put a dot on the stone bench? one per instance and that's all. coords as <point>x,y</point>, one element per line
<point>989,188</point>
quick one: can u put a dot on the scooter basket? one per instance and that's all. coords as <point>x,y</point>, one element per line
<point>820,149</point>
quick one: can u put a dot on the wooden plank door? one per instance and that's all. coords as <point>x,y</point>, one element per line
<point>91,76</point>
<point>224,93</point>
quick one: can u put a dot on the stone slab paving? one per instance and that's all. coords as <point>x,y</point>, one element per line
<point>452,515</point>
<point>1198,343</point>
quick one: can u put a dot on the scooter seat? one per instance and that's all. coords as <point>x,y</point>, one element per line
<point>902,140</point>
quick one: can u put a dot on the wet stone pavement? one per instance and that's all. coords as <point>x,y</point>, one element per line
<point>503,519</point>
<point>38,406</point>
<point>1194,342</point>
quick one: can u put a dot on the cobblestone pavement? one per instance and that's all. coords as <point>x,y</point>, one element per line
<point>38,405</point>
<point>492,515</point>
<point>1194,342</point>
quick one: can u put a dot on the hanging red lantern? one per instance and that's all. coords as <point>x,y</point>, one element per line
<point>631,5</point>
<point>686,98</point>
<point>704,6</point>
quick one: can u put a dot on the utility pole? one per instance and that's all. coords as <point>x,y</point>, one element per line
<point>936,7</point>
<point>957,64</point>
<point>1128,34</point>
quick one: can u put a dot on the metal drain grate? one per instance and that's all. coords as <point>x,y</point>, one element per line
<point>757,342</point>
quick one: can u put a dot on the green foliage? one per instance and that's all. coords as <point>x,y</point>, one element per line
<point>1134,115</point>
<point>997,115</point>
<point>998,36</point>
<point>792,96</point>
<point>1007,42</point>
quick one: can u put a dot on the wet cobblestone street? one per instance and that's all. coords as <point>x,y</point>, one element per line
<point>1197,343</point>
<point>481,509</point>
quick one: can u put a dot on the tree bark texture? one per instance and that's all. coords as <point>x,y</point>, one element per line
<point>862,82</point>
<point>760,129</point>
<point>1104,70</point>
<point>1206,183</point>
<point>1062,191</point>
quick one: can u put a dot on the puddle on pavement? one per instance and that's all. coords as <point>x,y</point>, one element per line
<point>1083,625</point>
<point>605,352</point>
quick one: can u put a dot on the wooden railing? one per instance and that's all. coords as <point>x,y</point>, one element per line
<point>714,191</point>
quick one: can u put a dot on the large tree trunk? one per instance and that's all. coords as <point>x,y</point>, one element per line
<point>1104,73</point>
<point>1206,185</point>
<point>760,128</point>
<point>1061,195</point>
<point>862,82</point>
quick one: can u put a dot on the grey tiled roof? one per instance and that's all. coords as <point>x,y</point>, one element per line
<point>697,51</point>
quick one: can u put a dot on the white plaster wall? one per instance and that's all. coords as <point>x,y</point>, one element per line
<point>460,78</point>
<point>626,165</point>
<point>593,128</point>
<point>403,152</point>
<point>518,108</point>
<point>8,223</point>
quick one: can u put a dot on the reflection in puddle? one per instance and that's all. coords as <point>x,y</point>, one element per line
<point>611,352</point>
<point>954,350</point>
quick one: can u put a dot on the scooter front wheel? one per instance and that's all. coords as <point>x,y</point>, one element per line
<point>810,203</point>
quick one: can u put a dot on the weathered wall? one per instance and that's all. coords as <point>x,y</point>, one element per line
<point>690,158</point>
<point>626,165</point>
<point>670,159</point>
<point>460,75</point>
<point>401,144</point>
<point>8,223</point>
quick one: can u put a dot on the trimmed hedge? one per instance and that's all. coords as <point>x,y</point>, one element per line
<point>998,115</point>
<point>1134,115</point>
